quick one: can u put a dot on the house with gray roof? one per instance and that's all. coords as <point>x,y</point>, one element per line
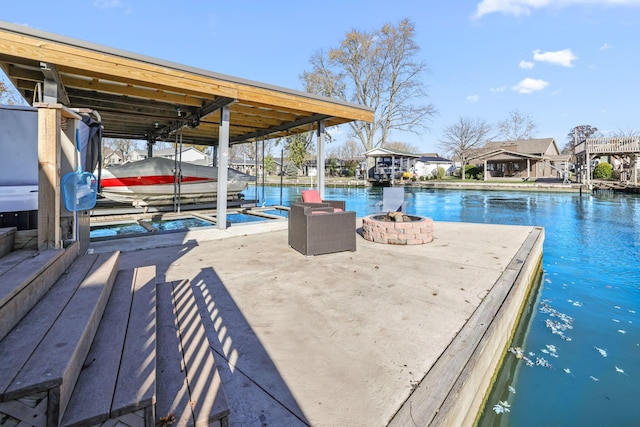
<point>525,159</point>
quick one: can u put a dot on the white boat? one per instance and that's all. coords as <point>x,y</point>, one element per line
<point>152,182</point>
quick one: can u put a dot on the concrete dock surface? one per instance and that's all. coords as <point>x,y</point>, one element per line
<point>385,335</point>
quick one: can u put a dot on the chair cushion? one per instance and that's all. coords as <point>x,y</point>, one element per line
<point>311,196</point>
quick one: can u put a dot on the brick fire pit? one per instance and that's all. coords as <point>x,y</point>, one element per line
<point>410,230</point>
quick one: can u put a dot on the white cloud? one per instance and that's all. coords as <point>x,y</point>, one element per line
<point>527,65</point>
<point>529,85</point>
<point>107,4</point>
<point>561,57</point>
<point>606,46</point>
<point>113,4</point>
<point>524,7</point>
<point>473,98</point>
<point>498,89</point>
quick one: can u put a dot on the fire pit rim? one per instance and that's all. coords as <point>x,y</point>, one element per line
<point>377,217</point>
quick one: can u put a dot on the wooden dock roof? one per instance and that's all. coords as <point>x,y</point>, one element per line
<point>144,98</point>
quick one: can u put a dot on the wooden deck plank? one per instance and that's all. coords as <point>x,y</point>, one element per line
<point>136,387</point>
<point>67,343</point>
<point>31,280</point>
<point>171,385</point>
<point>21,342</point>
<point>11,259</point>
<point>7,240</point>
<point>15,279</point>
<point>208,400</point>
<point>100,371</point>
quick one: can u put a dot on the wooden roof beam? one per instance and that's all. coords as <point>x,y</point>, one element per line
<point>283,127</point>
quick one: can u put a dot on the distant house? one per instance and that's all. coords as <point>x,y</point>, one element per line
<point>427,165</point>
<point>111,157</point>
<point>189,154</point>
<point>529,158</point>
<point>389,165</point>
<point>136,155</point>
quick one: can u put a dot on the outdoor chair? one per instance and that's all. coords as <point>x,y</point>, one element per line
<point>315,228</point>
<point>392,200</point>
<point>313,196</point>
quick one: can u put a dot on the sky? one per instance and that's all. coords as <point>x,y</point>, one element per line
<point>563,63</point>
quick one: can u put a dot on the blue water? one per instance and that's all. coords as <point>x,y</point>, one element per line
<point>587,373</point>
<point>113,230</point>
<point>180,224</point>
<point>240,218</point>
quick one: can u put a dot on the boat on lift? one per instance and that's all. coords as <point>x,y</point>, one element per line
<point>154,182</point>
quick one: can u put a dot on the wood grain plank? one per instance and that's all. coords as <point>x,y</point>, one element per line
<point>208,400</point>
<point>99,374</point>
<point>49,178</point>
<point>11,259</point>
<point>59,357</point>
<point>7,240</point>
<point>21,342</point>
<point>172,390</point>
<point>80,60</point>
<point>26,239</point>
<point>31,293</point>
<point>136,386</point>
<point>24,273</point>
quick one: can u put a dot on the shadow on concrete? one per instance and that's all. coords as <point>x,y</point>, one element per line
<point>257,393</point>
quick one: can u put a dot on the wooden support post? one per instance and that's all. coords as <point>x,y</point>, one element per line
<point>320,157</point>
<point>49,178</point>
<point>223,163</point>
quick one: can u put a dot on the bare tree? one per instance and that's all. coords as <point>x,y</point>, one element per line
<point>378,70</point>
<point>401,146</point>
<point>122,146</point>
<point>516,127</point>
<point>462,137</point>
<point>625,132</point>
<point>8,94</point>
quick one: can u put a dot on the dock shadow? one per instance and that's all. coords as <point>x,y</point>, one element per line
<point>257,393</point>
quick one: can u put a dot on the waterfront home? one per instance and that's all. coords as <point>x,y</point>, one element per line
<point>526,159</point>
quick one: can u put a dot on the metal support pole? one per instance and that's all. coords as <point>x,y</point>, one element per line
<point>320,158</point>
<point>223,164</point>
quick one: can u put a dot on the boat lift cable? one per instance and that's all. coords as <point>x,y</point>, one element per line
<point>177,171</point>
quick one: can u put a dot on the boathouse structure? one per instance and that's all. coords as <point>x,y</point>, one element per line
<point>83,341</point>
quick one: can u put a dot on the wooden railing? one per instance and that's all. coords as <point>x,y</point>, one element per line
<point>625,144</point>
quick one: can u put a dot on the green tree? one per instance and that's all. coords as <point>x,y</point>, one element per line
<point>334,166</point>
<point>603,170</point>
<point>269,164</point>
<point>379,70</point>
<point>297,147</point>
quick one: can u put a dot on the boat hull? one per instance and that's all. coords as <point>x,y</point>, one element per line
<point>151,182</point>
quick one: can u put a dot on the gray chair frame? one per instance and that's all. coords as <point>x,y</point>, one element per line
<point>316,234</point>
<point>392,200</point>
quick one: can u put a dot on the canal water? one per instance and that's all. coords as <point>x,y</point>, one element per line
<point>576,358</point>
